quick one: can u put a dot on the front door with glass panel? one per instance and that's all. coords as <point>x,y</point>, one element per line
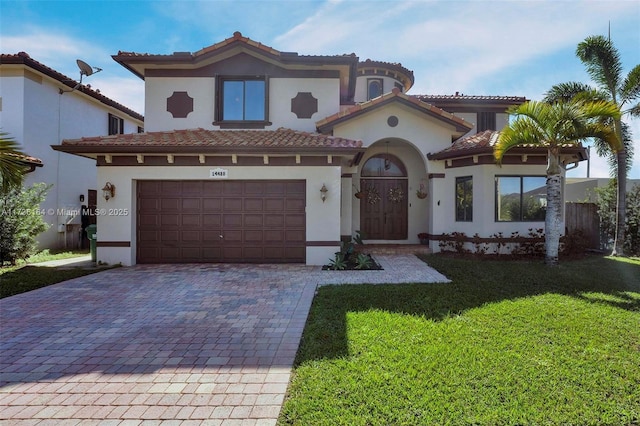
<point>383,209</point>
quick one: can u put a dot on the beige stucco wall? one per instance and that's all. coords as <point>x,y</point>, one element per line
<point>322,219</point>
<point>202,90</point>
<point>442,196</point>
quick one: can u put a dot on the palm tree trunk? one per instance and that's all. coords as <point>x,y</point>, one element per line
<point>621,205</point>
<point>553,217</point>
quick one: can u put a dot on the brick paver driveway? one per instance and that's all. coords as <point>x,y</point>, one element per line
<point>185,342</point>
<point>192,344</point>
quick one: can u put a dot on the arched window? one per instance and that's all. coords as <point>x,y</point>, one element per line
<point>374,88</point>
<point>383,165</point>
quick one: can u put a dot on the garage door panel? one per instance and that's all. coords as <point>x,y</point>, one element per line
<point>170,204</point>
<point>190,220</point>
<point>292,236</point>
<point>212,204</point>
<point>211,188</point>
<point>183,221</point>
<point>191,204</point>
<point>169,219</point>
<point>252,237</point>
<point>231,237</point>
<point>273,235</point>
<point>253,204</point>
<point>274,221</point>
<point>212,220</point>
<point>209,237</point>
<point>167,236</point>
<point>190,236</point>
<point>294,221</point>
<point>274,188</point>
<point>253,221</point>
<point>232,204</point>
<point>254,187</point>
<point>232,221</point>
<point>274,205</point>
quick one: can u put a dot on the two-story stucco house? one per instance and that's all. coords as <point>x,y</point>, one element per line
<point>255,155</point>
<point>38,108</point>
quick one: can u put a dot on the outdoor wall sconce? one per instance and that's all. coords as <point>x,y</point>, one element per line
<point>109,191</point>
<point>323,192</point>
<point>82,198</point>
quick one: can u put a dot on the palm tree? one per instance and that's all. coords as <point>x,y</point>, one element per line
<point>602,61</point>
<point>556,126</point>
<point>12,165</point>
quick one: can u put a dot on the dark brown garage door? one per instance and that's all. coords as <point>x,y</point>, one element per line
<point>221,221</point>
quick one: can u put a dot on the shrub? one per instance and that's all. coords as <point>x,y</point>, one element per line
<point>607,211</point>
<point>20,222</point>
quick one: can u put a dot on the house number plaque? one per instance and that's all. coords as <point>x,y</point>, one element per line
<point>218,173</point>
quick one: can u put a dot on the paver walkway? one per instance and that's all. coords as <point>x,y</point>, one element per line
<point>165,344</point>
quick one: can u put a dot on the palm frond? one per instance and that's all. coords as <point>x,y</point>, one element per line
<point>630,90</point>
<point>564,92</point>
<point>12,165</point>
<point>602,61</point>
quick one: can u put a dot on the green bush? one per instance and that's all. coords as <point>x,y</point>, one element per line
<point>607,210</point>
<point>20,222</point>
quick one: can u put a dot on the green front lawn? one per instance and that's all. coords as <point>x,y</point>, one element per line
<point>504,343</point>
<point>20,278</point>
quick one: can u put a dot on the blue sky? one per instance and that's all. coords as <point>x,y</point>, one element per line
<point>478,47</point>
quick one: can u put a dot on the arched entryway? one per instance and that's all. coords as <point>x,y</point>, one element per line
<point>383,209</point>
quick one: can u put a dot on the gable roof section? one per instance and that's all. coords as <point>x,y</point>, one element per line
<point>327,124</point>
<point>213,141</point>
<point>483,143</point>
<point>142,64</point>
<point>23,58</point>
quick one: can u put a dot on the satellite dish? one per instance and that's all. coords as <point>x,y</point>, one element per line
<point>85,68</point>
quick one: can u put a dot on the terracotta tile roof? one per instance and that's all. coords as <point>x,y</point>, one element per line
<point>468,145</point>
<point>27,159</point>
<point>427,98</point>
<point>236,38</point>
<point>193,140</point>
<point>328,122</point>
<point>23,58</point>
<point>483,143</point>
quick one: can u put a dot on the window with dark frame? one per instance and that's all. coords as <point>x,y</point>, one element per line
<point>242,100</point>
<point>486,121</point>
<point>374,88</point>
<point>116,125</point>
<point>464,199</point>
<point>521,198</point>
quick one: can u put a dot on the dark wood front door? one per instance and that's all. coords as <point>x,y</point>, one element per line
<point>383,211</point>
<point>221,221</point>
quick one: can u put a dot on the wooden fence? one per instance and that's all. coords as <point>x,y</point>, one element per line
<point>584,217</point>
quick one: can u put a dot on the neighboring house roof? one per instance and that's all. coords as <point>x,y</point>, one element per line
<point>328,123</point>
<point>382,69</point>
<point>462,103</point>
<point>31,162</point>
<point>483,143</point>
<point>23,58</point>
<point>213,141</point>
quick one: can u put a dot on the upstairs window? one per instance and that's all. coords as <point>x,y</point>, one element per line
<point>374,88</point>
<point>242,102</point>
<point>116,125</point>
<point>486,121</point>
